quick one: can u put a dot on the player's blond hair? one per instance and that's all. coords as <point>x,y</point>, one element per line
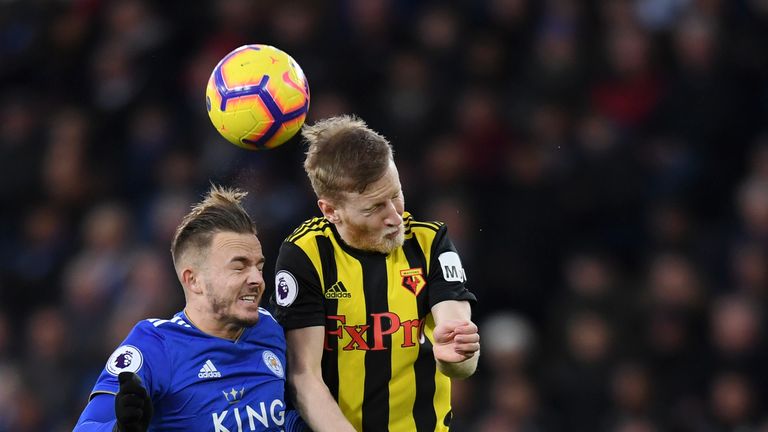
<point>221,210</point>
<point>344,155</point>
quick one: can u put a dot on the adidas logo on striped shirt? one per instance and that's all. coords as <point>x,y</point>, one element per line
<point>337,291</point>
<point>209,370</point>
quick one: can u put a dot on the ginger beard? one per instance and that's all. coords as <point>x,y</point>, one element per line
<point>372,220</point>
<point>384,240</point>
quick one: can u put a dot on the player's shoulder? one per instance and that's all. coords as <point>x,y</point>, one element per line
<point>311,228</point>
<point>156,334</point>
<point>164,327</point>
<point>429,228</point>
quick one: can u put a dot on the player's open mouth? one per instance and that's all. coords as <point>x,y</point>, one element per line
<point>248,298</point>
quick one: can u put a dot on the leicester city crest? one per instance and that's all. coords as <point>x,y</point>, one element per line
<point>273,363</point>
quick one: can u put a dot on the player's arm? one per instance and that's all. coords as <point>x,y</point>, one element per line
<point>120,399</point>
<point>456,343</point>
<point>99,414</point>
<point>305,381</point>
<point>130,410</point>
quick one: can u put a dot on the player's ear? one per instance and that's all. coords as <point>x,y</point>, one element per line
<point>189,267</point>
<point>329,210</point>
<point>191,280</point>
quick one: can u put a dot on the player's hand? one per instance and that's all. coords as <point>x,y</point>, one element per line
<point>133,407</point>
<point>455,341</point>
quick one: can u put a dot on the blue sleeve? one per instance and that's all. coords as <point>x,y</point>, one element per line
<point>98,416</point>
<point>142,352</point>
<point>294,423</point>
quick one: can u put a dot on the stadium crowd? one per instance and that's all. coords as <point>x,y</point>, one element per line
<point>602,167</point>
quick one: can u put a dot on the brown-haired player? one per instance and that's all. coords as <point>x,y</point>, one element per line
<point>217,365</point>
<point>373,302</point>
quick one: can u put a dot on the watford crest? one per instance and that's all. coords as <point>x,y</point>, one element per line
<point>413,280</point>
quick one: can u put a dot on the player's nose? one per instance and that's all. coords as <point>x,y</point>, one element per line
<point>255,277</point>
<point>394,216</point>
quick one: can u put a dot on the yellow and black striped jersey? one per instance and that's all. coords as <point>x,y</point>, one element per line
<point>378,361</point>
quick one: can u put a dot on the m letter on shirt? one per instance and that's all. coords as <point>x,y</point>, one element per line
<point>450,264</point>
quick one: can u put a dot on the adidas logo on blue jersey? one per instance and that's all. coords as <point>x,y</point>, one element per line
<point>209,371</point>
<point>337,291</point>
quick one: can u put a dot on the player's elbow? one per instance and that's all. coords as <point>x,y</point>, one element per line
<point>302,383</point>
<point>300,377</point>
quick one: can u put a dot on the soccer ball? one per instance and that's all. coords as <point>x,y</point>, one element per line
<point>257,97</point>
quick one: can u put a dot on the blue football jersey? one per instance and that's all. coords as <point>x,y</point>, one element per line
<point>201,382</point>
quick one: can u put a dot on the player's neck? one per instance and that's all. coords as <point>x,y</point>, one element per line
<point>212,327</point>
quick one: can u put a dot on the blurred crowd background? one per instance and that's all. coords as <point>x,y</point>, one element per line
<point>602,167</point>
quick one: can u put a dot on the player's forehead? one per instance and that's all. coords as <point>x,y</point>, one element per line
<point>231,244</point>
<point>384,188</point>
